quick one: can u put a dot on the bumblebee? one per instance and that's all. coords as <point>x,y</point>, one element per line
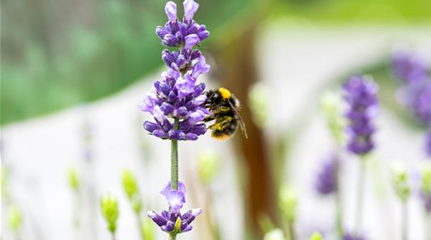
<point>224,107</point>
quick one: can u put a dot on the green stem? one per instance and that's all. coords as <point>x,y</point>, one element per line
<point>174,159</point>
<point>405,220</point>
<point>338,200</point>
<point>172,236</point>
<point>360,196</point>
<point>339,208</point>
<point>291,229</point>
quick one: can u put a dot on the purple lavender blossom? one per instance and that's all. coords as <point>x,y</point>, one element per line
<point>178,95</point>
<point>417,98</point>
<point>409,67</point>
<point>167,219</point>
<point>361,97</point>
<point>351,236</point>
<point>413,72</point>
<point>175,32</point>
<point>326,181</point>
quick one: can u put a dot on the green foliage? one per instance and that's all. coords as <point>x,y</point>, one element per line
<point>109,207</point>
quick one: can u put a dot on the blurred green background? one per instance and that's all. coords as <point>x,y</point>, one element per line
<point>61,53</point>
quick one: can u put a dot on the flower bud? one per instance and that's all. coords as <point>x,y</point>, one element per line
<point>288,202</point>
<point>331,106</point>
<point>131,188</point>
<point>316,236</point>
<point>14,219</point>
<point>109,207</point>
<point>259,99</point>
<point>73,178</point>
<point>275,234</point>
<point>208,165</point>
<point>147,228</point>
<point>400,182</point>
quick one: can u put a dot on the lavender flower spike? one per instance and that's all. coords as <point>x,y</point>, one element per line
<point>172,220</point>
<point>326,181</point>
<point>409,67</point>
<point>177,95</point>
<point>360,95</point>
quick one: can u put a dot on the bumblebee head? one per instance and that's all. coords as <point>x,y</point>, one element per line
<point>225,94</point>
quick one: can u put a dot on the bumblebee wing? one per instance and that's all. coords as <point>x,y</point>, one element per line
<point>241,122</point>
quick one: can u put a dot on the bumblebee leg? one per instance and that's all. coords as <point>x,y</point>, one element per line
<point>220,125</point>
<point>221,110</point>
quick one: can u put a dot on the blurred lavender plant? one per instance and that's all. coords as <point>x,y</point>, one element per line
<point>425,194</point>
<point>331,106</point>
<point>288,202</point>
<point>109,207</point>
<point>178,96</point>
<point>360,93</point>
<point>259,99</point>
<point>425,190</point>
<point>401,186</point>
<point>361,97</point>
<point>351,236</point>
<point>409,67</point>
<point>208,166</point>
<point>131,189</point>
<point>326,180</point>
<point>413,72</point>
<point>75,184</point>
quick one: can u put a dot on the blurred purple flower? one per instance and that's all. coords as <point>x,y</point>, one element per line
<point>351,236</point>
<point>360,94</point>
<point>178,95</point>
<point>409,67</point>
<point>176,199</point>
<point>326,181</point>
<point>426,198</point>
<point>413,72</point>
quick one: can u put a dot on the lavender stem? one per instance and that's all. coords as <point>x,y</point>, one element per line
<point>174,159</point>
<point>360,196</point>
<point>339,209</point>
<point>172,236</point>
